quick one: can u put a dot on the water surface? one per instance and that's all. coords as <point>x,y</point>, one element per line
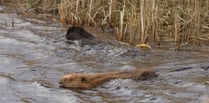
<point>34,56</point>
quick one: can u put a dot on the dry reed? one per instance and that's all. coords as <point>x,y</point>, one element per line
<point>136,21</point>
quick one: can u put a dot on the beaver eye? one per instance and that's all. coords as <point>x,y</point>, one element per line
<point>83,79</point>
<point>70,79</point>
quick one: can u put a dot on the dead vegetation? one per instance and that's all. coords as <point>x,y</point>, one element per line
<point>182,22</point>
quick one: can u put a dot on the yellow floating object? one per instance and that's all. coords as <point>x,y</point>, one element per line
<point>145,46</point>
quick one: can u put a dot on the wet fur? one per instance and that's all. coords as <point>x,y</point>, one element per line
<point>77,33</point>
<point>82,80</point>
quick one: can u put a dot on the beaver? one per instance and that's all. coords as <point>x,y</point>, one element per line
<point>78,33</point>
<point>85,81</point>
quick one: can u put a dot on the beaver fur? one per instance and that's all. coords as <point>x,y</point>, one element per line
<point>78,33</point>
<point>85,81</point>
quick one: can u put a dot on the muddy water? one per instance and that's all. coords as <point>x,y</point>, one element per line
<point>34,56</point>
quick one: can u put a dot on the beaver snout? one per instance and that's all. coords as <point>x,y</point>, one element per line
<point>60,84</point>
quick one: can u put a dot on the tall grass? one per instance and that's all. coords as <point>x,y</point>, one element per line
<point>134,21</point>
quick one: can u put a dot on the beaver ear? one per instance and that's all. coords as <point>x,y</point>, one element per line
<point>83,79</point>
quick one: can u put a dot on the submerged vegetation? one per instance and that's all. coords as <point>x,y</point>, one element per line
<point>134,21</point>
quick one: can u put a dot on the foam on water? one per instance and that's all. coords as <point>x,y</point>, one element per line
<point>15,42</point>
<point>34,91</point>
<point>3,81</point>
<point>7,19</point>
<point>9,64</point>
<point>44,95</point>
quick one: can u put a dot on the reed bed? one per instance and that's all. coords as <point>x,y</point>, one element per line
<point>134,21</point>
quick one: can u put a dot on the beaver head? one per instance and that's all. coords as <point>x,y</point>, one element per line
<point>77,33</point>
<point>147,74</point>
<point>75,80</point>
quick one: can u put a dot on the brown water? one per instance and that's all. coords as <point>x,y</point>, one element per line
<point>34,56</point>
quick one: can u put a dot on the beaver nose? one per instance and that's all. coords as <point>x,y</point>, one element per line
<point>60,84</point>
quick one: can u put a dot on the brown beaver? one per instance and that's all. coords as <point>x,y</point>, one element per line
<point>84,81</point>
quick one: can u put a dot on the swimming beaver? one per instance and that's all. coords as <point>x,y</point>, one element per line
<point>77,33</point>
<point>85,81</point>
